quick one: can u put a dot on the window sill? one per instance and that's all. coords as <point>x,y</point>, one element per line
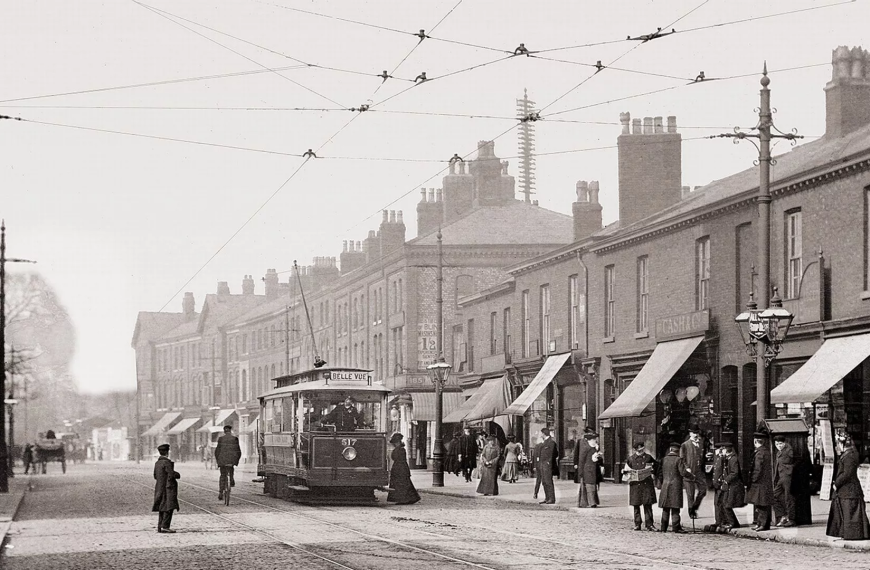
<point>642,334</point>
<point>608,339</point>
<point>865,296</point>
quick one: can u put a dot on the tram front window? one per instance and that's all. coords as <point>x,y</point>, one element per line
<point>325,412</point>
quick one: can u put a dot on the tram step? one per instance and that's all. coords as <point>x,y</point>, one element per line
<point>385,489</point>
<point>298,487</point>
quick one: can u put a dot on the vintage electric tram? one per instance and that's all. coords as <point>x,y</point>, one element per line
<point>306,454</point>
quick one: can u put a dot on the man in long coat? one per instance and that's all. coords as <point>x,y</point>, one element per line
<point>467,453</point>
<point>733,492</point>
<point>548,462</point>
<point>760,492</point>
<point>783,500</point>
<point>587,460</point>
<point>719,460</point>
<point>227,455</point>
<point>692,453</point>
<point>671,496</point>
<point>535,459</point>
<point>165,489</point>
<point>641,493</point>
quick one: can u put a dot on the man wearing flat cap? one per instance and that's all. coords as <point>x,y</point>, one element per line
<point>548,463</point>
<point>760,492</point>
<point>165,489</point>
<point>692,453</point>
<point>641,489</point>
<point>587,461</point>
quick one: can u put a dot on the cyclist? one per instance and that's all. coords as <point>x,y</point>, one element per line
<point>227,455</point>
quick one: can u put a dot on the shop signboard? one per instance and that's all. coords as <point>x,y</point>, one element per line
<point>683,326</point>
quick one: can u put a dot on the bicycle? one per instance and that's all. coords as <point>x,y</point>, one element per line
<point>224,483</point>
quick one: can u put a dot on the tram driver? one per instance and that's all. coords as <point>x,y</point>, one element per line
<point>344,416</point>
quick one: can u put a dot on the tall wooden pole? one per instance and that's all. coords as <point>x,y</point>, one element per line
<point>4,462</point>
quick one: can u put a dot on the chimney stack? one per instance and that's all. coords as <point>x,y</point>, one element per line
<point>650,167</point>
<point>353,257</point>
<point>223,288</point>
<point>847,95</point>
<point>392,231</point>
<point>586,210</point>
<point>271,280</point>
<point>248,285</point>
<point>188,306</point>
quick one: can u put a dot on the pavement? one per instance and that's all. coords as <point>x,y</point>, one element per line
<point>10,502</point>
<point>614,504</point>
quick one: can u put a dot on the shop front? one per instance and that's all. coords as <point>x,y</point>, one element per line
<point>536,402</point>
<point>183,439</point>
<point>660,394</point>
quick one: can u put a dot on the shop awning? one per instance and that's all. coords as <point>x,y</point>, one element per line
<point>161,424</point>
<point>836,358</point>
<point>493,402</point>
<point>252,423</point>
<point>540,382</point>
<point>424,404</point>
<point>182,426</point>
<point>666,359</point>
<point>465,407</point>
<point>206,427</point>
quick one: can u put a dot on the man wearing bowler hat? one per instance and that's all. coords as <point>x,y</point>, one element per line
<point>548,463</point>
<point>165,489</point>
<point>733,492</point>
<point>692,453</point>
<point>760,492</point>
<point>783,500</point>
<point>671,496</point>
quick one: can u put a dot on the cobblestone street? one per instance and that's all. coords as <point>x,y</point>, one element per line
<point>98,516</point>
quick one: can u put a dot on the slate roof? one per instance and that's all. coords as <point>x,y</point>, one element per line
<point>267,308</point>
<point>801,162</point>
<point>152,325</point>
<point>187,328</point>
<point>518,223</point>
<point>219,310</point>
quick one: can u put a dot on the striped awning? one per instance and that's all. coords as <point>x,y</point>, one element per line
<point>424,404</point>
<point>494,402</point>
<point>182,426</point>
<point>538,384</point>
<point>161,424</point>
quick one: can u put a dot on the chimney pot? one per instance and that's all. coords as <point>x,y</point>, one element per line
<point>431,194</point>
<point>672,124</point>
<point>422,194</point>
<point>857,63</point>
<point>385,216</point>
<point>685,191</point>
<point>399,217</point>
<point>461,168</point>
<point>344,246</point>
<point>659,128</point>
<point>635,127</point>
<point>392,216</point>
<point>582,189</point>
<point>593,192</point>
<point>647,125</point>
<point>359,246</point>
<point>625,120</point>
<point>439,193</point>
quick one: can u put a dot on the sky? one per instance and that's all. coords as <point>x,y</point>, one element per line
<point>161,147</point>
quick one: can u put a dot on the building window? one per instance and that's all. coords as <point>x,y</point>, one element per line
<point>506,334</point>
<point>526,330</point>
<point>609,301</point>
<point>702,273</point>
<point>244,344</point>
<point>470,344</point>
<point>642,293</point>
<point>574,309</point>
<point>493,337</point>
<point>793,252</point>
<point>545,319</point>
<point>457,353</point>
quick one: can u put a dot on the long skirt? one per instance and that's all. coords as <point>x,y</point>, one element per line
<point>848,519</point>
<point>488,481</point>
<point>403,491</point>
<point>510,471</point>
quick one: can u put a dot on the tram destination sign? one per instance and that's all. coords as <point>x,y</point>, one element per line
<point>347,376</point>
<point>682,326</point>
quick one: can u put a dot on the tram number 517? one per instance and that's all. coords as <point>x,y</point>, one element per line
<point>348,442</point>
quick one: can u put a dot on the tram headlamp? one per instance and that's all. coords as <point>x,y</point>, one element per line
<point>349,453</point>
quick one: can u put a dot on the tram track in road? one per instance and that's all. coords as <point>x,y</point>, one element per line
<point>650,560</point>
<point>344,528</point>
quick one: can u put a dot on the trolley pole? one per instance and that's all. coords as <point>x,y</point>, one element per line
<point>4,452</point>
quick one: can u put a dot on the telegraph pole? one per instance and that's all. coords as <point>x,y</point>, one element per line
<point>4,452</point>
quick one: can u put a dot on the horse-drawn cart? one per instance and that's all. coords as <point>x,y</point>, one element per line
<point>50,450</point>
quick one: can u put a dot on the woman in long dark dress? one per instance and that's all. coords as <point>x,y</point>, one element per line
<point>403,491</point>
<point>489,467</point>
<point>848,515</point>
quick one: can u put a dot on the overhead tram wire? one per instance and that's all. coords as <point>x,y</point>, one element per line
<point>154,83</point>
<point>305,64</point>
<point>165,16</point>
<point>701,28</point>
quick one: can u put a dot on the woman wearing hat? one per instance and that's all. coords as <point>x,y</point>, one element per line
<point>402,489</point>
<point>641,492</point>
<point>848,515</point>
<point>489,467</point>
